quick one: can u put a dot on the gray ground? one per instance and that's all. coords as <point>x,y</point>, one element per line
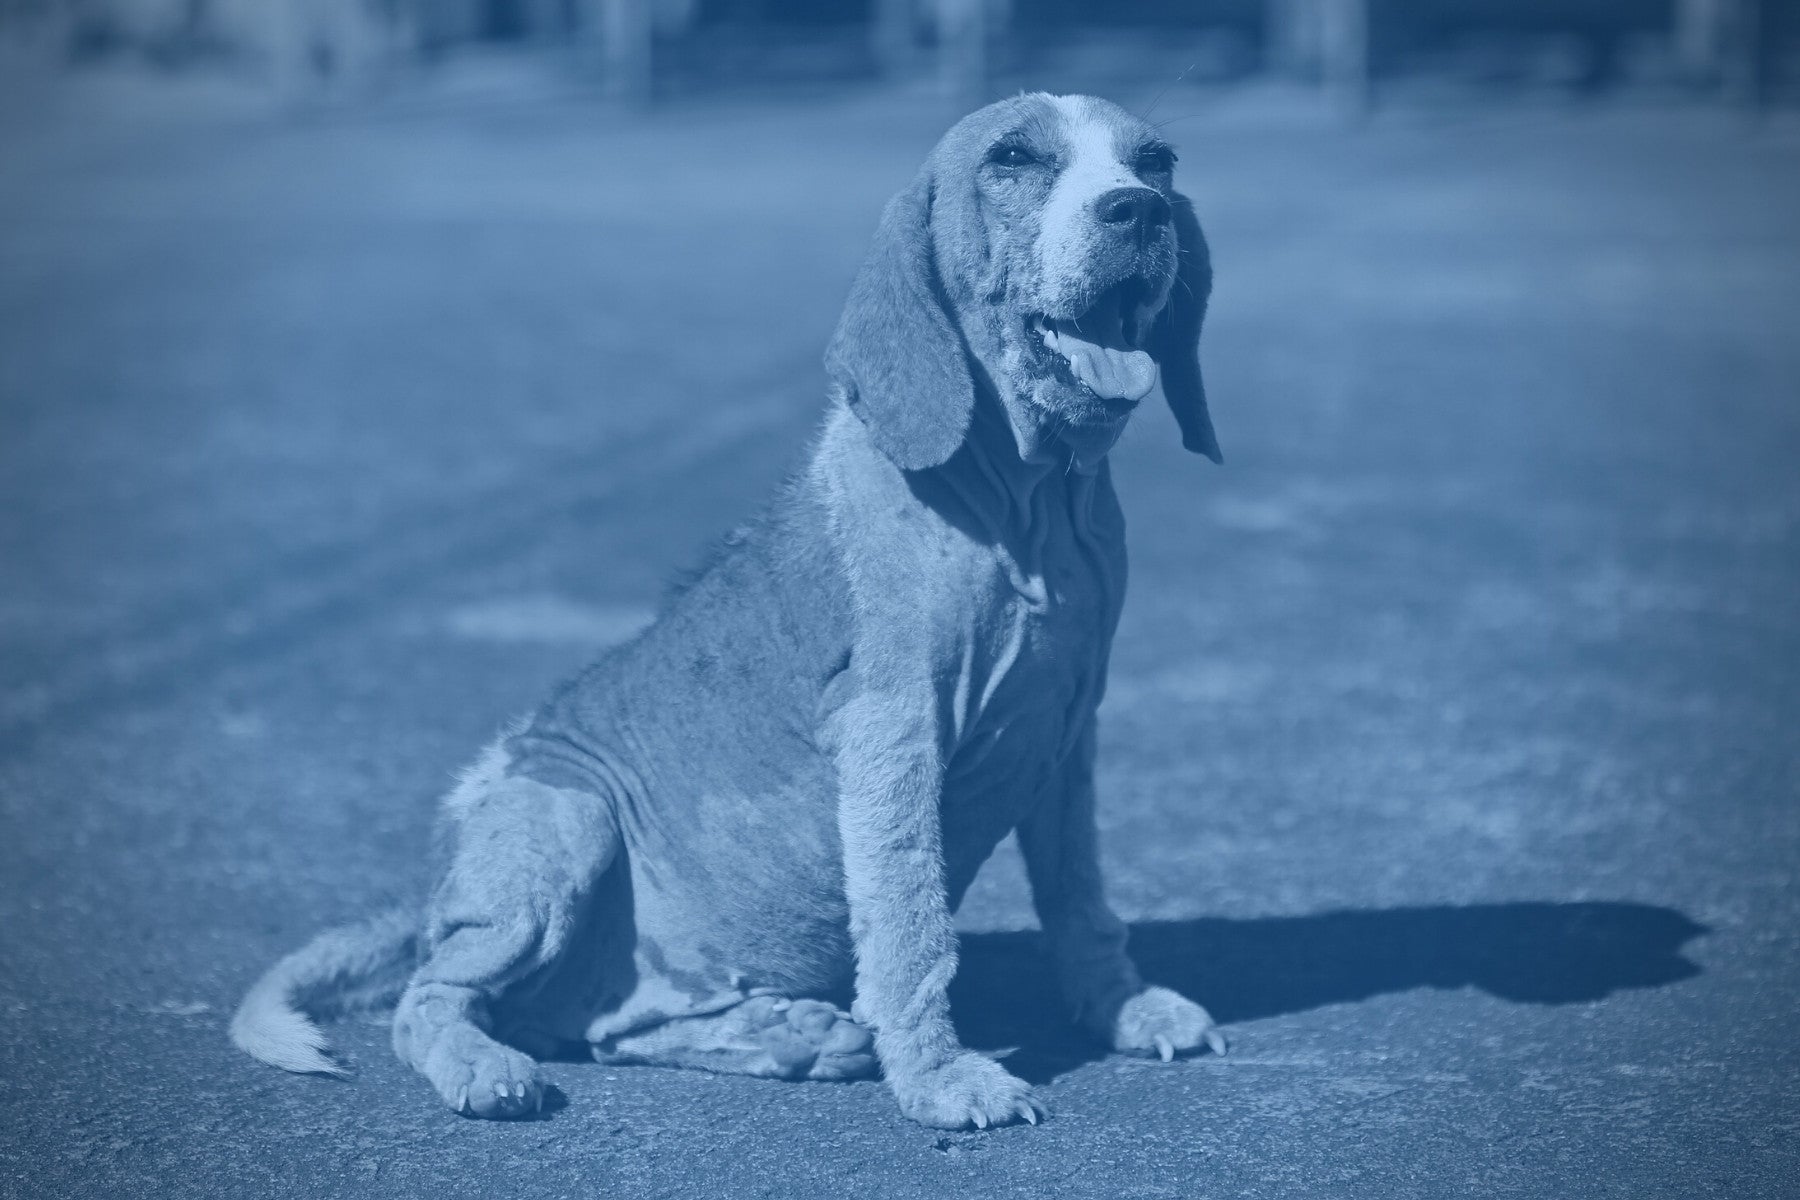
<point>1453,753</point>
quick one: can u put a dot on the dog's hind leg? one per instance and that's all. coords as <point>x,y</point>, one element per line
<point>527,860</point>
<point>770,1036</point>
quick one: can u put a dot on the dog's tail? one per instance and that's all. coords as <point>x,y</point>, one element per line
<point>364,964</point>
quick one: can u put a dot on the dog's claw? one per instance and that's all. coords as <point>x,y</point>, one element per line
<point>1029,1113</point>
<point>1165,1049</point>
<point>462,1102</point>
<point>1215,1041</point>
<point>981,1121</point>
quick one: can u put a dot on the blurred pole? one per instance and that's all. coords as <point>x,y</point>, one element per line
<point>1699,38</point>
<point>1745,64</point>
<point>1293,36</point>
<point>285,40</point>
<point>892,40</point>
<point>627,47</point>
<point>962,30</point>
<point>1344,55</point>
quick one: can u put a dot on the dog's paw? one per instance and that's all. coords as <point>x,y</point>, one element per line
<point>806,1039</point>
<point>970,1089</point>
<point>1164,1023</point>
<point>479,1077</point>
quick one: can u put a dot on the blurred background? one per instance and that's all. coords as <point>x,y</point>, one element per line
<point>368,365</point>
<point>640,49</point>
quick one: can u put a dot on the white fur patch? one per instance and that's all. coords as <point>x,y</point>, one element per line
<point>484,774</point>
<point>1093,169</point>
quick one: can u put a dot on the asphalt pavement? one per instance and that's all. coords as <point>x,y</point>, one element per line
<point>1452,755</point>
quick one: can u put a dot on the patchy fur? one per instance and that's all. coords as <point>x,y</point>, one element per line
<point>736,842</point>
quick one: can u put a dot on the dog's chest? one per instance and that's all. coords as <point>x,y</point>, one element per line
<point>1046,600</point>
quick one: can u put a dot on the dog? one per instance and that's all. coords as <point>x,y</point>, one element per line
<point>735,842</point>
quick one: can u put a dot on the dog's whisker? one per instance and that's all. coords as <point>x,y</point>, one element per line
<point>1165,89</point>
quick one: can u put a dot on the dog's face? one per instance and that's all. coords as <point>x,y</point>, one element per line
<point>1057,244</point>
<point>1044,240</point>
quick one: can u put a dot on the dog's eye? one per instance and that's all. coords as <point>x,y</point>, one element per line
<point>1011,154</point>
<point>1154,160</point>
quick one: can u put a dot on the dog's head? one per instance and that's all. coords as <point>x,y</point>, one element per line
<point>1044,245</point>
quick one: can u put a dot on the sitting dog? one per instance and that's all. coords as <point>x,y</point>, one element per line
<point>763,811</point>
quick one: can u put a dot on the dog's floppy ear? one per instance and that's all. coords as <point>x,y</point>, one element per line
<point>896,353</point>
<point>1175,338</point>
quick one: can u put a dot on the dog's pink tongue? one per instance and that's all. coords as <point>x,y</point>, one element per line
<point>1112,373</point>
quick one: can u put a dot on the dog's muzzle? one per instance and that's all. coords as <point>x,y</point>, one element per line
<point>1103,345</point>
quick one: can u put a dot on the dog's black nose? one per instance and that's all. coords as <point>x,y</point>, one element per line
<point>1141,209</point>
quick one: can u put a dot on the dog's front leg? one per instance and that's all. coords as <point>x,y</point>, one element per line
<point>1086,938</point>
<point>890,779</point>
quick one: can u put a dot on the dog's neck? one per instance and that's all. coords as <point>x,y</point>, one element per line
<point>1010,494</point>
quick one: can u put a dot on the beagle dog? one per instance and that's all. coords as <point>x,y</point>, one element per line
<point>735,843</point>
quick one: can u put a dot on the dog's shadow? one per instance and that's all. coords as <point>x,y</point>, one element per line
<point>1531,953</point>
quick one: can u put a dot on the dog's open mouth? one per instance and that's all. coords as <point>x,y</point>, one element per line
<point>1101,347</point>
